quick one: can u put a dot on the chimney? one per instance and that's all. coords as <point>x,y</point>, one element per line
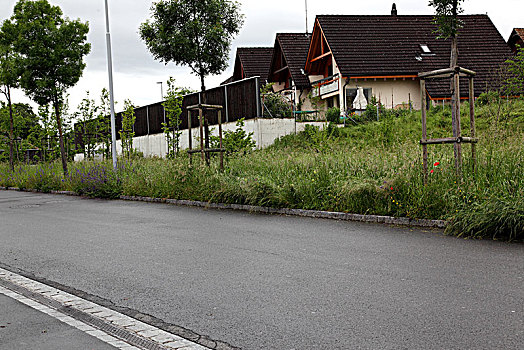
<point>394,10</point>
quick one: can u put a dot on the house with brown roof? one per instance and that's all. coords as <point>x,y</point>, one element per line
<point>251,62</point>
<point>352,58</point>
<point>287,67</point>
<point>516,38</point>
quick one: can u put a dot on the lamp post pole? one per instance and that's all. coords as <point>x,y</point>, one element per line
<point>111,95</point>
<point>161,89</point>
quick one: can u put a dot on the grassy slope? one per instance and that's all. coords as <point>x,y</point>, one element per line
<point>372,168</point>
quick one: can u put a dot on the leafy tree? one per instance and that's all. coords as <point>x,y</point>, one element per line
<point>8,78</point>
<point>515,68</point>
<point>104,123</point>
<point>51,50</point>
<point>192,33</point>
<point>87,110</point>
<point>173,109</point>
<point>446,17</point>
<point>127,133</point>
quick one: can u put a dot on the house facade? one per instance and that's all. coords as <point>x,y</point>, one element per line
<point>352,59</point>
<point>287,68</point>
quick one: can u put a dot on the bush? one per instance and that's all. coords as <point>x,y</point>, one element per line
<point>333,115</point>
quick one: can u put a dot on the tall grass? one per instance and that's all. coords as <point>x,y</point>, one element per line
<point>373,168</point>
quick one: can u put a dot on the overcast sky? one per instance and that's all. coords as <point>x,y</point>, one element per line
<point>136,74</point>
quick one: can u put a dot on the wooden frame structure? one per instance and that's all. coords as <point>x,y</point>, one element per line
<point>457,140</point>
<point>205,151</point>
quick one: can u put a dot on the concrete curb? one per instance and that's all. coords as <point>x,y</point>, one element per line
<point>389,220</point>
<point>298,212</point>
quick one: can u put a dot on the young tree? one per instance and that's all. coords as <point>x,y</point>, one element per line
<point>8,78</point>
<point>173,109</point>
<point>514,84</point>
<point>51,50</point>
<point>104,123</point>
<point>446,17</point>
<point>127,133</point>
<point>86,112</point>
<point>193,33</point>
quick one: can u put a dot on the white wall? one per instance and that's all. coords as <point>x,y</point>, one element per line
<point>265,132</point>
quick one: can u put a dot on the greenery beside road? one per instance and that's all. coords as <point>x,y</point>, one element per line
<point>370,168</point>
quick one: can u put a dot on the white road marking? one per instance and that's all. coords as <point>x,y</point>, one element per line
<point>109,316</point>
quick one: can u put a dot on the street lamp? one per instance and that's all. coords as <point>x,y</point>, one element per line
<point>161,90</point>
<point>111,95</point>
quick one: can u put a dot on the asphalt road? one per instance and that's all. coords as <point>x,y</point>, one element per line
<point>273,282</point>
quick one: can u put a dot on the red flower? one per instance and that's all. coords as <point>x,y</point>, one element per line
<point>391,188</point>
<point>431,171</point>
<point>436,164</point>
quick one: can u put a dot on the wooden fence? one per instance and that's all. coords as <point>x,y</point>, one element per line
<point>240,99</point>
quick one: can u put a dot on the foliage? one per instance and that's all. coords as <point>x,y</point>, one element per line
<point>446,12</point>
<point>96,180</point>
<point>333,115</point>
<point>515,82</point>
<point>196,34</point>
<point>87,110</point>
<point>104,124</point>
<point>173,110</point>
<point>127,133</point>
<point>371,168</point>
<point>235,141</point>
<point>275,104</point>
<point>50,52</point>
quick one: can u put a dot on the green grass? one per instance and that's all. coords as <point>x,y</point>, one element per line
<point>372,168</point>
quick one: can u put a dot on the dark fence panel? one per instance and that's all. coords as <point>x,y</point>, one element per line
<point>242,99</point>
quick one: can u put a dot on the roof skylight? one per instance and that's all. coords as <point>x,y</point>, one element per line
<point>425,49</point>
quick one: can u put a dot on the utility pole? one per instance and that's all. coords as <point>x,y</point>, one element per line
<point>306,20</point>
<point>111,94</point>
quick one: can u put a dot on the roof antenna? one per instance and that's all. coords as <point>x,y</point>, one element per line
<point>307,33</point>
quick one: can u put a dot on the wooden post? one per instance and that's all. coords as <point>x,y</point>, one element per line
<point>472,121</point>
<point>201,122</point>
<point>424,129</point>
<point>457,147</point>
<point>220,138</point>
<point>190,136</point>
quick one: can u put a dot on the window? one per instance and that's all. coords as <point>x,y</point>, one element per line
<point>425,48</point>
<point>351,93</point>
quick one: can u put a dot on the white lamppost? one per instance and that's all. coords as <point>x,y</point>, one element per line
<point>111,95</point>
<point>161,90</point>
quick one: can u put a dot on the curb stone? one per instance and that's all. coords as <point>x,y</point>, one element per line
<point>388,220</point>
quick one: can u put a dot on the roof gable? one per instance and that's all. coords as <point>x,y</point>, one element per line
<point>289,57</point>
<point>251,62</point>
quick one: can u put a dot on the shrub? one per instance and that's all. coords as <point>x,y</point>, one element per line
<point>96,180</point>
<point>333,115</point>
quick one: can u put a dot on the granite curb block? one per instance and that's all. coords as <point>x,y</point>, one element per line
<point>298,212</point>
<point>389,220</point>
<point>154,337</point>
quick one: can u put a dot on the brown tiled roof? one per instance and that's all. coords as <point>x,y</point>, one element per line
<point>254,60</point>
<point>390,45</point>
<point>294,47</point>
<point>520,32</point>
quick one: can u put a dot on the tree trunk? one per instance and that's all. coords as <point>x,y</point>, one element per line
<point>455,105</point>
<point>206,124</point>
<point>11,130</point>
<point>60,135</point>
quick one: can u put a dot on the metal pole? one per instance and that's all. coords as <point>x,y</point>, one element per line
<point>161,90</point>
<point>111,94</point>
